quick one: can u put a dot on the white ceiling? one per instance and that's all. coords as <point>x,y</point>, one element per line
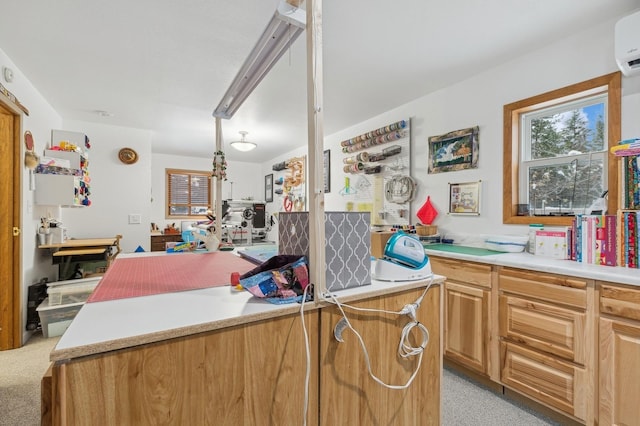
<point>164,65</point>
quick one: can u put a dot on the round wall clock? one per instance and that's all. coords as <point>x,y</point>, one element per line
<point>128,155</point>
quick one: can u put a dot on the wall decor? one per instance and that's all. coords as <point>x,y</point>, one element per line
<point>128,155</point>
<point>327,171</point>
<point>289,184</point>
<point>453,151</point>
<point>464,198</point>
<point>376,166</point>
<point>268,188</point>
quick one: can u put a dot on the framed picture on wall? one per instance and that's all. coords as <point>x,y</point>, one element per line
<point>457,150</point>
<point>268,188</point>
<point>464,198</point>
<point>327,171</point>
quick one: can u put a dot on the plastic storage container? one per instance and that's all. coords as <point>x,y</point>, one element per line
<point>56,319</point>
<point>71,291</point>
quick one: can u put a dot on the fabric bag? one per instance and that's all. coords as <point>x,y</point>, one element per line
<point>281,279</point>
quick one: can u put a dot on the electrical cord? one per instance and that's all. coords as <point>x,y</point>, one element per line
<point>307,376</point>
<point>405,349</point>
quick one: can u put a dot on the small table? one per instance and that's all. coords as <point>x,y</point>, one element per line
<point>84,250</point>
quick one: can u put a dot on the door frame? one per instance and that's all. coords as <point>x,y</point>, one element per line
<point>10,290</point>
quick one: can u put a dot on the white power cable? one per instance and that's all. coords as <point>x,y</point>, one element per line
<point>307,376</point>
<point>405,349</point>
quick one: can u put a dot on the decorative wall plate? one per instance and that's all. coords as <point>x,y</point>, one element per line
<point>128,155</point>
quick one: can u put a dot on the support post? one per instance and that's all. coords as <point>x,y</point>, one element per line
<point>315,123</point>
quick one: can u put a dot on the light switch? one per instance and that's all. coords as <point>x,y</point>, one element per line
<point>134,219</point>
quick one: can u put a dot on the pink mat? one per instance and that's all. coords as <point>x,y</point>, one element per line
<point>144,276</point>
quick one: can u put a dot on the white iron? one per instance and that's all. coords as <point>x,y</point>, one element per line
<point>404,259</point>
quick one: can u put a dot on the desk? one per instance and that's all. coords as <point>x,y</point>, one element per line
<point>83,250</point>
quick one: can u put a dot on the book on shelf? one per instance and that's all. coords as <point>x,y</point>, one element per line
<point>628,231</point>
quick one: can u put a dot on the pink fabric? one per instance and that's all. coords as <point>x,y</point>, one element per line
<point>427,213</point>
<point>144,276</point>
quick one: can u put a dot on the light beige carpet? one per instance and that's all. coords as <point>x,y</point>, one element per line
<point>20,373</point>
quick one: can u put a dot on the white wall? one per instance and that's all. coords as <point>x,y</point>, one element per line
<point>117,189</point>
<point>479,101</point>
<point>242,181</point>
<point>42,118</point>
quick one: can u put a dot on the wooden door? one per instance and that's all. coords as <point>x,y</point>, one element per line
<point>10,312</point>
<point>619,372</point>
<point>466,325</point>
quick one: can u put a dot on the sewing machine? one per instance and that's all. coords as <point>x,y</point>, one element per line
<point>244,221</point>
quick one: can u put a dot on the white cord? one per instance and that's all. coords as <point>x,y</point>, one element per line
<point>305,407</point>
<point>405,350</point>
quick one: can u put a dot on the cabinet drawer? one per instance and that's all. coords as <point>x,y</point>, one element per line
<point>552,288</point>
<point>458,270</point>
<point>549,328</point>
<point>158,242</point>
<point>549,380</point>
<point>621,301</point>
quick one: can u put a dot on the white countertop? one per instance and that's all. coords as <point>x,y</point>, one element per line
<point>118,324</point>
<point>630,276</point>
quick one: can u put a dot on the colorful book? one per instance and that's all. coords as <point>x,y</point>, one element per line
<point>579,218</point>
<point>574,231</point>
<point>632,240</point>
<point>599,239</point>
<point>609,249</point>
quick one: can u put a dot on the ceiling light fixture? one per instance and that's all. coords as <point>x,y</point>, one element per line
<point>287,24</point>
<point>243,145</point>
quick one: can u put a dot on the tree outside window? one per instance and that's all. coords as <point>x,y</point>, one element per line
<point>556,145</point>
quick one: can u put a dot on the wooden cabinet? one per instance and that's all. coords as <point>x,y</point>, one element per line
<point>546,325</point>
<point>258,373</point>
<point>251,374</point>
<point>159,242</point>
<point>619,382</point>
<point>467,310</point>
<point>64,181</point>
<point>349,396</point>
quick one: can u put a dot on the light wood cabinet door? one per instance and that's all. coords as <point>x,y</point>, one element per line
<point>553,382</point>
<point>251,374</point>
<point>349,396</point>
<point>466,325</point>
<point>619,372</point>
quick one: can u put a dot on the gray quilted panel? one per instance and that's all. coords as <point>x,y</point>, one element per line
<point>347,245</point>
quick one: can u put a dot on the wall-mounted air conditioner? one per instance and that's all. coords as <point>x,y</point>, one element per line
<point>627,44</point>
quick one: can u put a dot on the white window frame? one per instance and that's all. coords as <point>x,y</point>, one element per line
<point>526,162</point>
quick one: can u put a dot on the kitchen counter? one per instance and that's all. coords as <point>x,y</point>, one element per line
<point>629,276</point>
<point>118,324</point>
<point>186,357</point>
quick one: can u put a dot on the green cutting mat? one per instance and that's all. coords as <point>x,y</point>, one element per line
<point>451,248</point>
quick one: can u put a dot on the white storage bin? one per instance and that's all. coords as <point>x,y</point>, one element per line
<point>507,243</point>
<point>56,319</point>
<point>71,291</point>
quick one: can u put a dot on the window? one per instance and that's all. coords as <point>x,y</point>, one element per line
<point>556,160</point>
<point>188,193</point>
